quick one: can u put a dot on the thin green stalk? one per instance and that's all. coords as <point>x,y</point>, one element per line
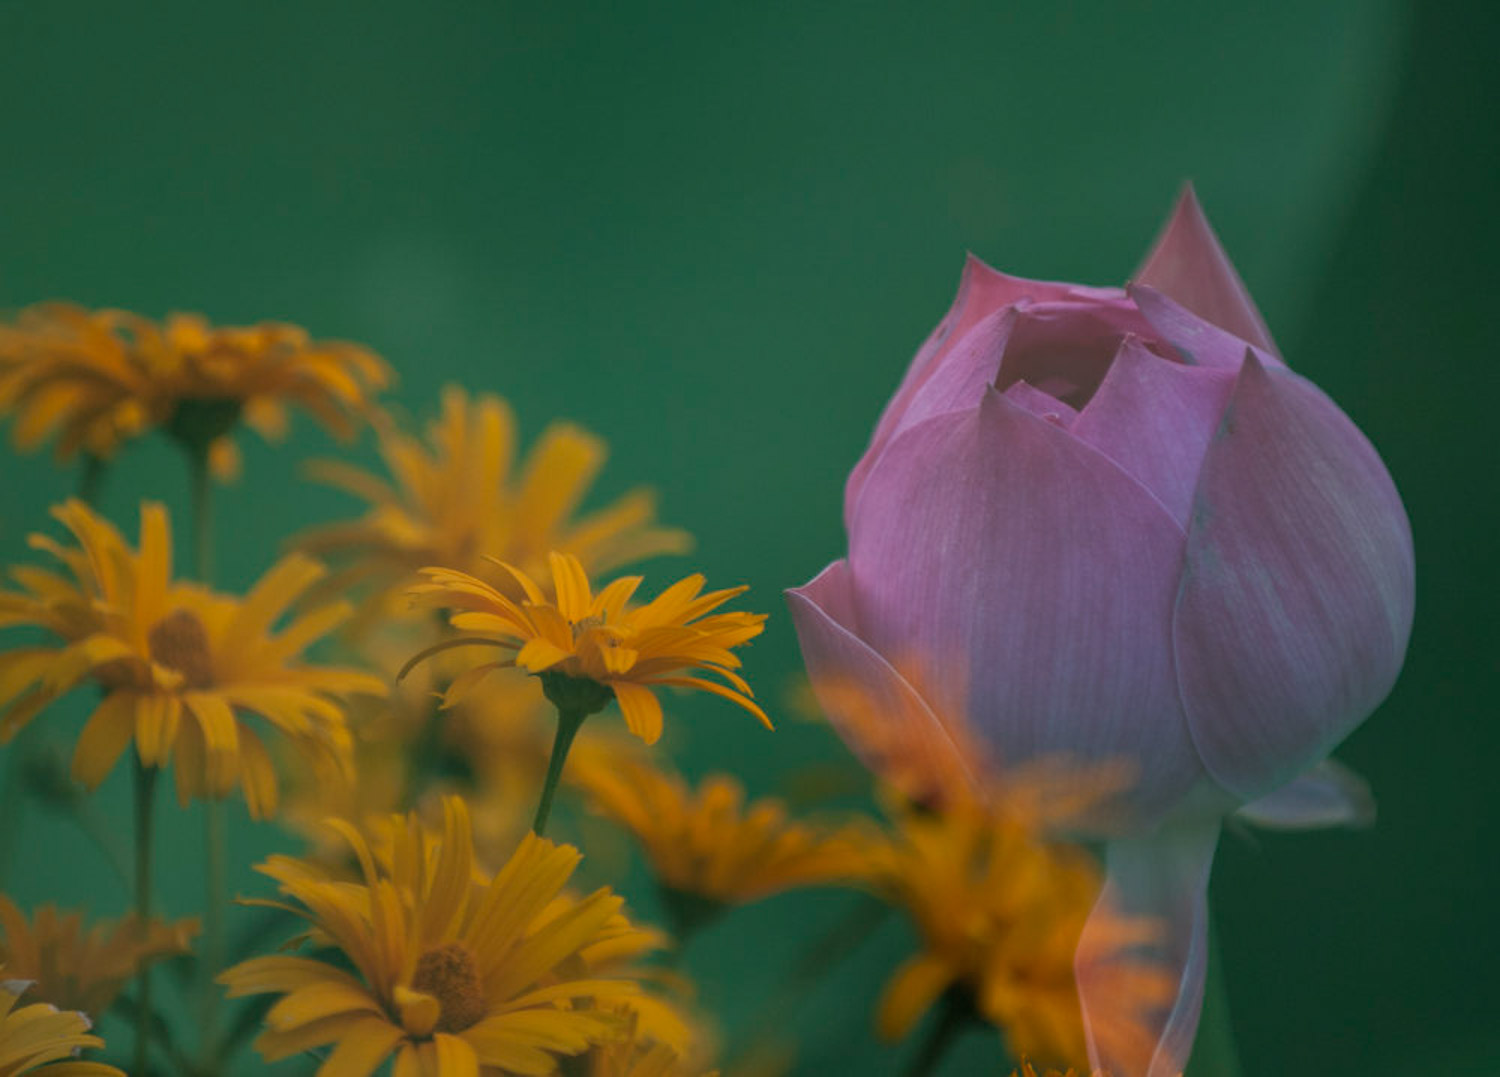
<point>202,517</point>
<point>1214,1053</point>
<point>955,1012</point>
<point>215,828</point>
<point>145,800</point>
<point>569,721</point>
<point>216,869</point>
<point>854,928</point>
<point>90,478</point>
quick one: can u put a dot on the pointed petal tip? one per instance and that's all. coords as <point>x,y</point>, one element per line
<point>1188,263</point>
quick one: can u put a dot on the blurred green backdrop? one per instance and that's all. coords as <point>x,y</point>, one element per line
<point>715,234</point>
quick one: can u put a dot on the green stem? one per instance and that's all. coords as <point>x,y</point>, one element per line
<point>1214,1053</point>
<point>954,1014</point>
<point>202,489</point>
<point>217,871</point>
<point>215,828</point>
<point>145,800</point>
<point>568,723</point>
<point>90,478</point>
<point>853,929</point>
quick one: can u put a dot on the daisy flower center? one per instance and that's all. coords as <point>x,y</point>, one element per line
<point>180,642</point>
<point>450,975</point>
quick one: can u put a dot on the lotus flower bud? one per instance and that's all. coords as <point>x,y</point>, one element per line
<point>1112,525</point>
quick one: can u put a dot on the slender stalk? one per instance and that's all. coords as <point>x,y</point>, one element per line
<point>569,720</point>
<point>145,800</point>
<point>216,869</point>
<point>954,1015</point>
<point>90,478</point>
<point>1214,1053</point>
<point>202,517</point>
<point>854,928</point>
<point>215,825</point>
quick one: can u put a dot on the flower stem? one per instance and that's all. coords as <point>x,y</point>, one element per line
<point>216,883</point>
<point>1214,1053</point>
<point>955,1012</point>
<point>569,721</point>
<point>202,513</point>
<point>90,478</point>
<point>145,800</point>
<point>215,828</point>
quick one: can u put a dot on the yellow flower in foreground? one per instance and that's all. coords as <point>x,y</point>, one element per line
<point>631,1058</point>
<point>460,497</point>
<point>999,913</point>
<point>707,843</point>
<point>624,650</point>
<point>181,666</point>
<point>77,970</point>
<point>97,378</point>
<point>454,972</point>
<point>40,1038</point>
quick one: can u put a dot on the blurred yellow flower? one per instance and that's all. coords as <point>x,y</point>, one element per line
<point>97,378</point>
<point>180,666</point>
<point>82,970</point>
<point>999,912</point>
<point>633,1058</point>
<point>454,972</point>
<point>40,1038</point>
<point>462,497</point>
<point>708,843</point>
<point>596,646</point>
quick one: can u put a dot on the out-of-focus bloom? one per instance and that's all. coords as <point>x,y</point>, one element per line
<point>633,1058</point>
<point>454,971</point>
<point>40,1038</point>
<point>460,499</point>
<point>74,969</point>
<point>999,913</point>
<point>1113,525</point>
<point>181,666</point>
<point>708,844</point>
<point>582,637</point>
<point>97,378</point>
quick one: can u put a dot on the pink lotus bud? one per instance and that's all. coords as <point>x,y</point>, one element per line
<point>1112,525</point>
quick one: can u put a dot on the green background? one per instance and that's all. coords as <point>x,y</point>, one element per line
<point>715,234</point>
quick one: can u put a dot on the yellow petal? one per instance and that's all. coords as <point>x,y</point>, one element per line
<point>641,709</point>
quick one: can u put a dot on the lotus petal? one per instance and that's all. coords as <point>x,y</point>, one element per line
<point>982,292</point>
<point>1297,592</point>
<point>1018,576</point>
<point>1161,878</point>
<point>1188,264</point>
<point>878,713</point>
<point>1154,418</point>
<point>1200,343</point>
<point>1328,795</point>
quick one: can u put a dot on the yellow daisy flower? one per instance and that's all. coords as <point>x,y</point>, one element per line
<point>78,970</point>
<point>707,845</point>
<point>97,378</point>
<point>597,647</point>
<point>999,913</point>
<point>454,972</point>
<point>460,497</point>
<point>40,1038</point>
<point>633,1058</point>
<point>181,666</point>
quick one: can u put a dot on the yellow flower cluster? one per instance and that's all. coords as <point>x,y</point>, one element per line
<point>453,969</point>
<point>180,667</point>
<point>99,378</point>
<point>999,911</point>
<point>77,970</point>
<point>439,936</point>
